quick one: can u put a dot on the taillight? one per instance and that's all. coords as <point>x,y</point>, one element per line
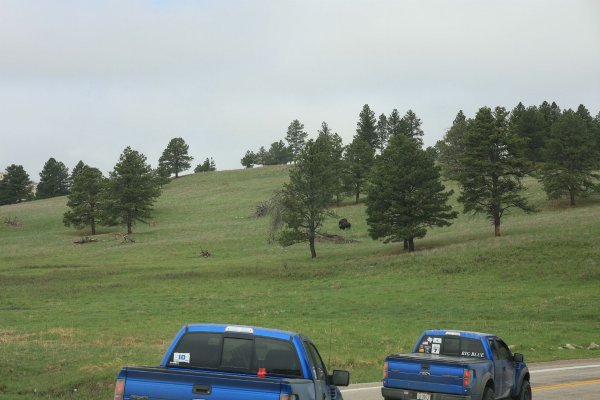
<point>385,370</point>
<point>288,397</point>
<point>467,377</point>
<point>119,389</point>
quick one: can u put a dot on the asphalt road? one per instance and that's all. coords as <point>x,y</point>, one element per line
<point>577,379</point>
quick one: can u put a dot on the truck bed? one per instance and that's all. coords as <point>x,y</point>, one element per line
<point>430,373</point>
<point>158,383</point>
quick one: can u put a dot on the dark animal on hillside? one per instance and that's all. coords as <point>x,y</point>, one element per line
<point>344,224</point>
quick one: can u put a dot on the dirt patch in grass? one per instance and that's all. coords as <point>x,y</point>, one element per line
<point>9,336</point>
<point>332,238</point>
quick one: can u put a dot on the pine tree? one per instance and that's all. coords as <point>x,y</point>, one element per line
<point>207,166</point>
<point>410,126</point>
<point>571,159</point>
<point>529,124</point>
<point>78,167</point>
<point>366,128</point>
<point>335,162</point>
<point>130,192</point>
<point>15,186</point>
<point>382,132</point>
<point>54,180</point>
<point>406,196</point>
<point>393,124</point>
<point>261,155</point>
<point>550,113</point>
<point>306,198</point>
<point>358,159</point>
<point>596,133</point>
<point>249,159</point>
<point>278,154</point>
<point>491,169</point>
<point>452,147</point>
<point>296,138</point>
<point>84,199</point>
<point>175,158</point>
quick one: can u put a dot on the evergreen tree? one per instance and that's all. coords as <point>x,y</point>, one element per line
<point>587,118</point>
<point>335,163</point>
<point>517,112</point>
<point>175,158</point>
<point>393,124</point>
<point>84,199</point>
<point>529,124</point>
<point>249,159</point>
<point>80,165</point>
<point>163,174</point>
<point>596,133</point>
<point>366,128</point>
<point>358,159</point>
<point>410,126</point>
<point>452,147</point>
<point>296,138</point>
<point>207,166</point>
<point>54,180</point>
<point>15,185</point>
<point>131,190</point>
<point>382,132</point>
<point>491,170</point>
<point>307,196</point>
<point>278,154</point>
<point>571,159</point>
<point>261,155</point>
<point>550,114</point>
<point>406,196</point>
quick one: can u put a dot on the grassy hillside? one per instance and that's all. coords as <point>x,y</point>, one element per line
<point>71,315</point>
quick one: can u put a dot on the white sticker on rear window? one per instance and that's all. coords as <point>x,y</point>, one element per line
<point>435,349</point>
<point>437,340</point>
<point>181,358</point>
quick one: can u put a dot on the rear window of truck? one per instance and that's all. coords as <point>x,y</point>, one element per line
<point>215,351</point>
<point>451,345</point>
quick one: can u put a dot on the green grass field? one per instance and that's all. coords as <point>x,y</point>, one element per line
<point>72,315</point>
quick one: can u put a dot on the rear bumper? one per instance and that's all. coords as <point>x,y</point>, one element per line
<point>403,394</point>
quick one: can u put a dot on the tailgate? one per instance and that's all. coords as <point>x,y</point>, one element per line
<point>168,384</point>
<point>426,373</point>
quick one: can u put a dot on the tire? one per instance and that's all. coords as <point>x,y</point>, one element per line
<point>488,394</point>
<point>525,392</point>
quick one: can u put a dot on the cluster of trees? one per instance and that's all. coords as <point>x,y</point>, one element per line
<point>386,160</point>
<point>560,148</point>
<point>487,155</point>
<point>55,180</point>
<point>278,153</point>
<point>124,197</point>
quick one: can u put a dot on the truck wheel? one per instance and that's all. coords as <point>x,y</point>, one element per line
<point>488,394</point>
<point>525,392</point>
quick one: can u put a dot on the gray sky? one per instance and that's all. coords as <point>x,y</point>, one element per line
<point>85,79</point>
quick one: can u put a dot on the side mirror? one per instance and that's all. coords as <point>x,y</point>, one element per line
<point>340,378</point>
<point>518,357</point>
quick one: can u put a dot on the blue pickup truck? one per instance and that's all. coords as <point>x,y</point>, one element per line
<point>453,365</point>
<point>230,362</point>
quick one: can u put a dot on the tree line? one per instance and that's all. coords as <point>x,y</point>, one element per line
<point>488,156</point>
<point>124,197</point>
<point>55,180</point>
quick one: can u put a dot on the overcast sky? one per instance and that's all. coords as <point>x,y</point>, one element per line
<point>81,80</point>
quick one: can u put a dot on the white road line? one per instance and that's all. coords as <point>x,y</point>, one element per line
<point>541,371</point>
<point>360,389</point>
